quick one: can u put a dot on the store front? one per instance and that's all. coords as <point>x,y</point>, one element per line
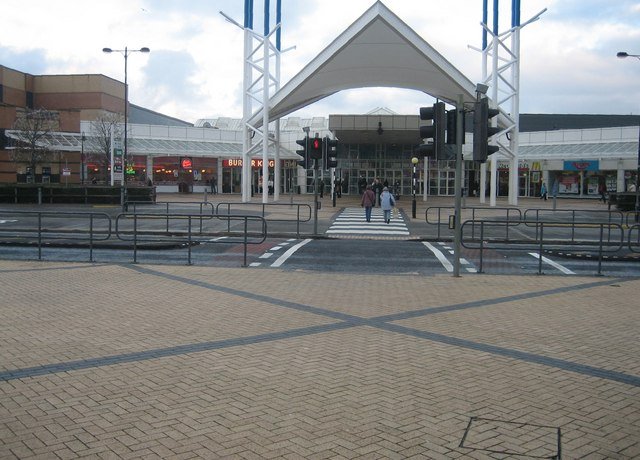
<point>583,179</point>
<point>232,176</point>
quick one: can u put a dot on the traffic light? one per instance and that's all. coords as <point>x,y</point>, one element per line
<point>332,154</point>
<point>303,152</point>
<point>315,148</point>
<point>436,113</point>
<point>452,124</point>
<point>482,115</point>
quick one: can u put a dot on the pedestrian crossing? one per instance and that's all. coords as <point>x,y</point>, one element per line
<point>352,222</point>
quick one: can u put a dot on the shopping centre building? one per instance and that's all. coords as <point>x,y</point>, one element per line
<point>576,151</point>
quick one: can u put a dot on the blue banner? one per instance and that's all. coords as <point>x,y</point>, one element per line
<point>582,165</point>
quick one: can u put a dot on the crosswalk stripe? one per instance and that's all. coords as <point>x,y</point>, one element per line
<point>351,221</point>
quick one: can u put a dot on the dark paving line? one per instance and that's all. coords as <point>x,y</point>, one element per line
<point>562,364</point>
<point>167,352</point>
<point>253,296</point>
<point>498,300</point>
<point>41,269</point>
<point>347,321</point>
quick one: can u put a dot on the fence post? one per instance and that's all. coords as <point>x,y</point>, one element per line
<point>540,250</point>
<point>481,243</point>
<point>245,239</point>
<point>189,242</point>
<point>600,250</point>
<point>39,236</point>
<point>91,237</point>
<point>135,238</point>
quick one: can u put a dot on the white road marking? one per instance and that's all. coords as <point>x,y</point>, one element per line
<point>441,257</point>
<point>218,239</point>
<point>351,221</point>
<point>266,255</point>
<point>464,261</point>
<point>280,260</point>
<point>555,265</point>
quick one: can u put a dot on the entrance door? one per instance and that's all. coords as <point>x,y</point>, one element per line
<point>394,176</point>
<point>523,184</point>
<point>446,182</point>
<point>368,174</point>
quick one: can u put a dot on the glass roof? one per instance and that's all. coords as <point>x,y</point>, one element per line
<point>561,151</point>
<point>72,142</point>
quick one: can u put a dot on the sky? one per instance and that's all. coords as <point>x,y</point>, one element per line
<point>194,70</point>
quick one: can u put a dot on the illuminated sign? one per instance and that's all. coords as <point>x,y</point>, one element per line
<point>237,163</point>
<point>186,163</point>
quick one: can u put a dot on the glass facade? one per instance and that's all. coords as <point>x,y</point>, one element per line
<point>391,163</point>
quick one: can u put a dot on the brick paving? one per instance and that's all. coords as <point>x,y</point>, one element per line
<point>135,361</point>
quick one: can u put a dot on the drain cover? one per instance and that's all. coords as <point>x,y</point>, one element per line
<point>512,438</point>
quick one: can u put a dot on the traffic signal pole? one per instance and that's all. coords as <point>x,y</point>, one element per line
<point>315,196</point>
<point>457,238</point>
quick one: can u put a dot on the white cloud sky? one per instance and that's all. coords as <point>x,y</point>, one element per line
<point>194,70</point>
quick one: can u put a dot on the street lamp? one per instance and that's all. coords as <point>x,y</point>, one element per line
<point>622,55</point>
<point>414,161</point>
<point>125,52</point>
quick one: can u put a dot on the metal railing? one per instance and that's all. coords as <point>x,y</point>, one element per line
<point>168,208</point>
<point>434,215</point>
<point>604,237</point>
<point>634,238</point>
<point>49,226</point>
<point>42,228</point>
<point>140,228</point>
<point>271,212</point>
<point>572,216</point>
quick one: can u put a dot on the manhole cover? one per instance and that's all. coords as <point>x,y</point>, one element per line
<point>512,438</point>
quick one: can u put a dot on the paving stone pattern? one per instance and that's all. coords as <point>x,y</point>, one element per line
<point>134,361</point>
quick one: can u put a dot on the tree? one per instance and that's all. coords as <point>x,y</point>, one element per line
<point>101,129</point>
<point>32,128</point>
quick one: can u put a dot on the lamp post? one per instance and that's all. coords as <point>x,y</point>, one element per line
<point>622,55</point>
<point>125,52</point>
<point>414,161</point>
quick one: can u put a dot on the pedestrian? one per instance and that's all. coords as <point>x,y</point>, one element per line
<point>376,186</point>
<point>338,187</point>
<point>362,185</point>
<point>321,188</point>
<point>602,189</point>
<point>214,185</point>
<point>387,203</point>
<point>368,200</point>
<point>543,191</point>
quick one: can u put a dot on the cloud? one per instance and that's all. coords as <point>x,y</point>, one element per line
<point>32,61</point>
<point>195,69</point>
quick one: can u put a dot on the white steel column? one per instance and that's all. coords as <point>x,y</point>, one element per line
<point>246,113</point>
<point>504,80</point>
<point>256,91</point>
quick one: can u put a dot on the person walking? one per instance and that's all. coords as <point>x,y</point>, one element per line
<point>387,203</point>
<point>362,185</point>
<point>543,191</point>
<point>338,187</point>
<point>602,189</point>
<point>368,200</point>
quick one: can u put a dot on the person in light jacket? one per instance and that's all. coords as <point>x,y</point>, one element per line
<point>387,203</point>
<point>368,200</point>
